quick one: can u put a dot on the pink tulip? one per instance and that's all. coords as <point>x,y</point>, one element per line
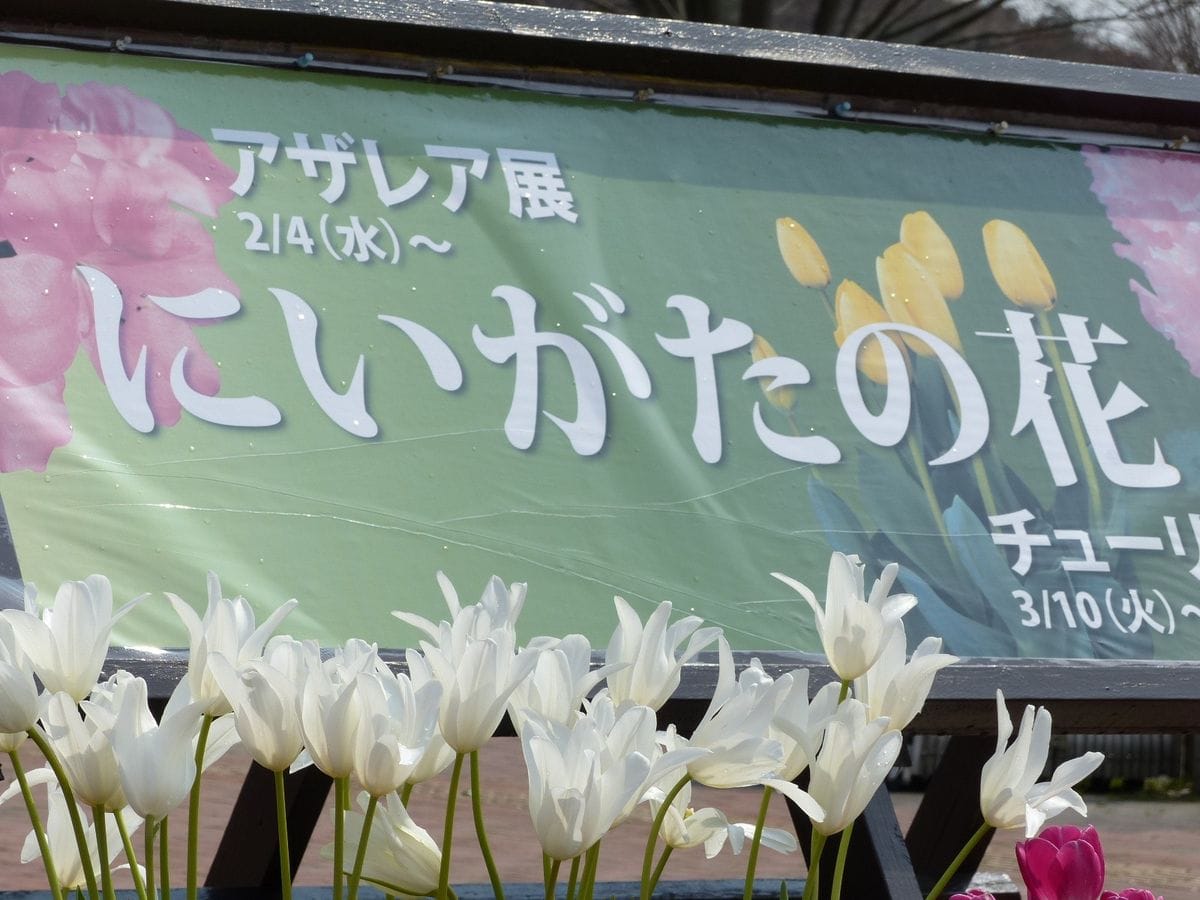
<point>1063,863</point>
<point>1130,894</point>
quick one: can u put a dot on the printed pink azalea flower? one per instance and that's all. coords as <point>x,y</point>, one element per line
<point>1064,862</point>
<point>101,177</point>
<point>1130,894</point>
<point>1150,197</point>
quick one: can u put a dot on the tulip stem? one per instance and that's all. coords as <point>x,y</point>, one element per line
<point>839,866</point>
<point>552,877</point>
<point>139,883</point>
<point>590,864</point>
<point>477,811</point>
<point>36,821</point>
<point>148,856</point>
<point>361,856</point>
<point>341,791</point>
<point>1089,470</point>
<point>100,827</point>
<point>193,845</point>
<point>844,692</point>
<point>448,829</point>
<point>759,824</point>
<point>89,872</point>
<point>655,828</point>
<point>164,859</point>
<point>662,865</point>
<point>285,863</point>
<point>573,879</point>
<point>813,879</point>
<point>979,835</point>
<point>405,794</point>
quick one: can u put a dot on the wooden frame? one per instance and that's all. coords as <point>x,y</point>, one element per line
<point>741,68</point>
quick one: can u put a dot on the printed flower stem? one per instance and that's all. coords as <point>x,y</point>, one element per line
<point>918,458</point>
<point>448,830</point>
<point>139,884</point>
<point>101,829</point>
<point>164,859</point>
<point>839,866</point>
<point>813,879</point>
<point>662,864</point>
<point>940,887</point>
<point>341,792</point>
<point>1085,456</point>
<point>193,848</point>
<point>752,861</point>
<point>655,828</point>
<point>828,304</point>
<point>477,811</point>
<point>361,856</point>
<point>551,879</point>
<point>36,821</point>
<point>148,855</point>
<point>285,863</point>
<point>85,858</point>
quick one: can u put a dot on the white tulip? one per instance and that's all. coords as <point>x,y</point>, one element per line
<point>439,755</point>
<point>854,627</point>
<point>84,745</point>
<point>561,678</point>
<point>684,827</point>
<point>582,777</point>
<point>736,730</point>
<point>330,710</point>
<point>265,709</point>
<point>397,723</point>
<point>649,655</point>
<point>67,642</point>
<point>854,758</point>
<point>895,690</point>
<point>799,724</point>
<point>228,628</point>
<point>1009,794</point>
<point>477,675</point>
<point>18,692</point>
<point>401,857</point>
<point>156,762</point>
<point>498,607</point>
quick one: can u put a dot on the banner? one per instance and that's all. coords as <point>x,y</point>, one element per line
<point>326,336</point>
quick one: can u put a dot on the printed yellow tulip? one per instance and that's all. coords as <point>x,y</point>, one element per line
<point>857,309</point>
<point>801,254</point>
<point>925,240</point>
<point>911,297</point>
<point>1017,266</point>
<point>783,398</point>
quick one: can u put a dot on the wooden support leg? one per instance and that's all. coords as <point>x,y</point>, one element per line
<point>878,866</point>
<point>949,813</point>
<point>248,855</point>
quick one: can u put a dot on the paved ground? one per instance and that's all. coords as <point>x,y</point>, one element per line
<point>1150,845</point>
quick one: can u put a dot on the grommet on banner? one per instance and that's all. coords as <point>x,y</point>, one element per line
<point>998,128</point>
<point>122,42</point>
<point>841,109</point>
<point>304,60</point>
<point>1178,143</point>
